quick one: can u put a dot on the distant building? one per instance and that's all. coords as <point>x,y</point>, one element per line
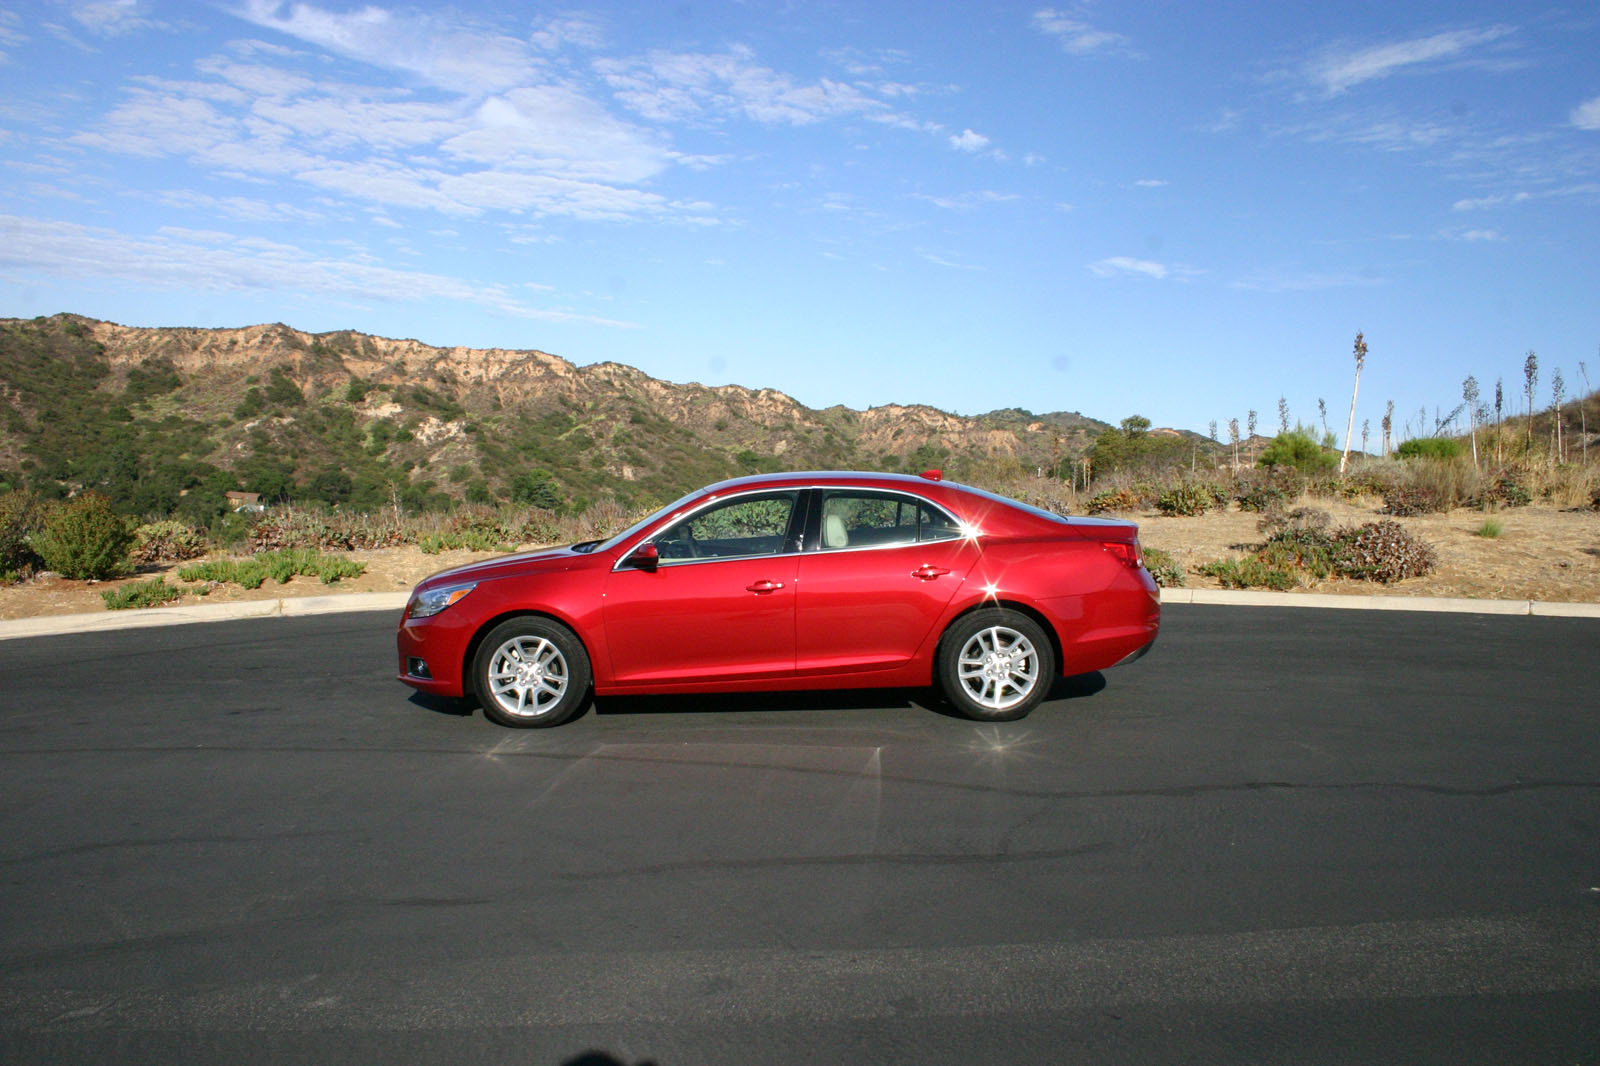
<point>244,501</point>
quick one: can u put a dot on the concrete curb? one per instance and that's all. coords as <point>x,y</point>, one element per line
<point>287,607</point>
<point>297,606</point>
<point>1380,603</point>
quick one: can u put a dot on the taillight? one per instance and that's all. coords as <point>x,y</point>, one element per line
<point>1125,551</point>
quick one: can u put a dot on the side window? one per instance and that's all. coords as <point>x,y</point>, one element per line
<point>749,525</point>
<point>856,519</point>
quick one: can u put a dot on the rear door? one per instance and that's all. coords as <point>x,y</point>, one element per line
<point>883,568</point>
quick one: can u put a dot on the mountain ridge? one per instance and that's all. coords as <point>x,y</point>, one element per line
<point>288,407</point>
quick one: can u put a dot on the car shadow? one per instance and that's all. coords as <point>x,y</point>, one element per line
<point>447,705</point>
<point>923,699</point>
<point>779,702</point>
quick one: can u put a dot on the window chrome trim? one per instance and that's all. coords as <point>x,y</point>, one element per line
<point>799,492</point>
<point>958,525</point>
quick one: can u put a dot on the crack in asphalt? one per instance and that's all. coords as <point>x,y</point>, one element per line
<point>1175,791</point>
<point>859,859</point>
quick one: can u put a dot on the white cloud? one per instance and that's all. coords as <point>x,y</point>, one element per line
<point>1284,281</point>
<point>1076,37</point>
<point>682,86</point>
<point>1384,130</point>
<point>11,33</point>
<point>242,208</point>
<point>1337,70</point>
<point>1485,202</point>
<point>543,149</point>
<point>110,18</point>
<point>1151,183</point>
<point>557,130</point>
<point>967,200</point>
<point>1586,116</point>
<point>1480,235</point>
<point>968,141</point>
<point>570,29</point>
<point>1124,266</point>
<point>207,261</point>
<point>446,54</point>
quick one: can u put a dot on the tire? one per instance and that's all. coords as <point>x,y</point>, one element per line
<point>995,665</point>
<point>531,673</point>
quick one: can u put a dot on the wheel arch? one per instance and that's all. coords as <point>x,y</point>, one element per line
<point>469,683</point>
<point>1037,616</point>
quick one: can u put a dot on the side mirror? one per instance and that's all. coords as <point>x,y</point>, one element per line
<point>644,557</point>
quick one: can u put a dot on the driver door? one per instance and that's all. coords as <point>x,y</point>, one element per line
<point>719,603</point>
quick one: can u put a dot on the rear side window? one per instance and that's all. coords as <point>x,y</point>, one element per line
<point>856,518</point>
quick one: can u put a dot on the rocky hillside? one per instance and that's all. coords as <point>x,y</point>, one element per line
<point>157,416</point>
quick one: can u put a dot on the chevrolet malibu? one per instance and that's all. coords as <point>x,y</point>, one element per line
<point>792,581</point>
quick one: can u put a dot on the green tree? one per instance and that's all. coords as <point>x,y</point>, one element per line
<point>536,488</point>
<point>282,391</point>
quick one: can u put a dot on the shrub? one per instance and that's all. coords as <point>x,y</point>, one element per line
<point>1504,490</point>
<point>1381,551</point>
<point>1408,500</point>
<point>471,539</point>
<point>1429,448</point>
<point>1116,500</point>
<point>1490,529</point>
<point>1184,500</point>
<point>1249,572</point>
<point>85,539</point>
<point>1297,450</point>
<point>1167,573</point>
<point>1264,498</point>
<point>152,593</point>
<point>291,528</point>
<point>166,542</point>
<point>1298,541</point>
<point>22,514</point>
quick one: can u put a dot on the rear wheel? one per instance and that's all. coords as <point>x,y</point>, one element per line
<point>530,673</point>
<point>996,665</point>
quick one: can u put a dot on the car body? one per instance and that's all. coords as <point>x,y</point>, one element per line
<point>815,580</point>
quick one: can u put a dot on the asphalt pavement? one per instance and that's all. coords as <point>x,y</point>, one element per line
<point>1283,836</point>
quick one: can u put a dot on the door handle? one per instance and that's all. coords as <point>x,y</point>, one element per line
<point>928,573</point>
<point>764,586</point>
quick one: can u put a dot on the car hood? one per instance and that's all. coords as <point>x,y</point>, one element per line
<point>502,566</point>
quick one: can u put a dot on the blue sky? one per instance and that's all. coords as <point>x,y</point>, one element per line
<point>1184,211</point>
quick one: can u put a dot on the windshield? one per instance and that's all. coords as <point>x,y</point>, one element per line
<point>613,541</point>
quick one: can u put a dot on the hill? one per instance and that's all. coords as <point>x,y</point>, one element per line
<point>166,420</point>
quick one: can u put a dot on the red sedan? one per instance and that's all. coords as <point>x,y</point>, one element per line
<point>792,581</point>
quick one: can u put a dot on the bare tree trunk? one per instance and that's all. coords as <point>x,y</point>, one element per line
<point>1350,426</point>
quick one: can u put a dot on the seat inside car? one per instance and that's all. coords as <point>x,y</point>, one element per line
<point>833,532</point>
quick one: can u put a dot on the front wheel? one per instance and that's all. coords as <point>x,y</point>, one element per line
<point>995,665</point>
<point>531,672</point>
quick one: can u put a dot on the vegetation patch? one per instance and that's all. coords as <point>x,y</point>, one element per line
<point>279,565</point>
<point>22,514</point>
<point>1249,572</point>
<point>1186,500</point>
<point>152,593</point>
<point>1300,543</point>
<point>1167,573</point>
<point>167,542</point>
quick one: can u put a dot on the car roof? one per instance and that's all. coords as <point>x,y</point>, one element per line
<point>828,477</point>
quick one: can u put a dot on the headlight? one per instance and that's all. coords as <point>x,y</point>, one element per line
<point>435,600</point>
